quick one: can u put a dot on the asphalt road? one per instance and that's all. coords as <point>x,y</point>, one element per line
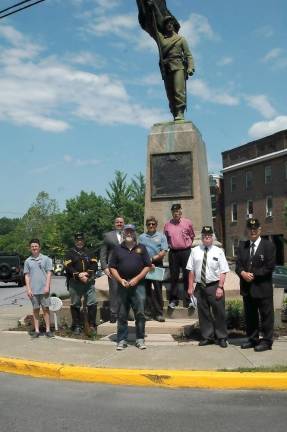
<point>12,294</point>
<point>29,404</point>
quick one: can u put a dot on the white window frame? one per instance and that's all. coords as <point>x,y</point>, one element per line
<point>268,210</point>
<point>247,187</point>
<point>232,212</point>
<point>268,178</point>
<point>248,214</point>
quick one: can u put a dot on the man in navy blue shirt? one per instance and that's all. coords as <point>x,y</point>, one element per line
<point>129,265</point>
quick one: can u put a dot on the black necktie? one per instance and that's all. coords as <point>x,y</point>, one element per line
<point>203,268</point>
<point>252,246</point>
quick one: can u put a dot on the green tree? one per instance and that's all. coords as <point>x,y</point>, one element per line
<point>119,194</point>
<point>7,225</point>
<point>89,214</point>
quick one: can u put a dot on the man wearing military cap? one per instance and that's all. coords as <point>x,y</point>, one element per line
<point>207,267</point>
<point>81,266</point>
<point>255,264</point>
<point>180,234</point>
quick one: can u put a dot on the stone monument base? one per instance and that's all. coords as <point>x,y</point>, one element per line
<point>177,173</point>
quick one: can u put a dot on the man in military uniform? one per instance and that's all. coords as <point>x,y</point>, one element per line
<point>81,266</point>
<point>176,61</point>
<point>254,266</point>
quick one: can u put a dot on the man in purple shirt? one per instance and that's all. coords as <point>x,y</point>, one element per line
<point>180,234</point>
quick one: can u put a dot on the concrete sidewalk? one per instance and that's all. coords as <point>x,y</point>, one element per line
<point>165,358</point>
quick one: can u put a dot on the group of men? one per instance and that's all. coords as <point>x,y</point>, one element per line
<point>127,260</point>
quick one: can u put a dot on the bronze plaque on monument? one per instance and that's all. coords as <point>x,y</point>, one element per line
<point>171,175</point>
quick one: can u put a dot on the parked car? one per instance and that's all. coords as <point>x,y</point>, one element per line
<point>59,269</point>
<point>11,269</point>
<point>280,277</point>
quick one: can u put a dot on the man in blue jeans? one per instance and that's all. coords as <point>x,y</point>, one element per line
<point>129,265</point>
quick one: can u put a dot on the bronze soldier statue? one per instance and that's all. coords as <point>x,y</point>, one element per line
<point>175,59</point>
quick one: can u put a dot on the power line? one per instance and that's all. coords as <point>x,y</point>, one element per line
<point>20,8</point>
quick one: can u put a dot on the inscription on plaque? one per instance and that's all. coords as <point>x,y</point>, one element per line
<point>171,175</point>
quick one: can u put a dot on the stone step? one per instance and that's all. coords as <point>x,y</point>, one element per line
<point>176,327</point>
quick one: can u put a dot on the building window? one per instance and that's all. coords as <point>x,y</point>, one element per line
<point>234,212</point>
<point>268,174</point>
<point>235,247</point>
<point>269,206</point>
<point>249,209</point>
<point>248,180</point>
<point>232,183</point>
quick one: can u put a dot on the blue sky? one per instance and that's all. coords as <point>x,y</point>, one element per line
<point>80,89</point>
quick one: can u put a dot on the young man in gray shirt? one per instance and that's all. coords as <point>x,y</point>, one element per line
<point>38,273</point>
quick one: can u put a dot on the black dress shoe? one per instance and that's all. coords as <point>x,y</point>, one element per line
<point>222,343</point>
<point>248,345</point>
<point>206,342</point>
<point>262,347</point>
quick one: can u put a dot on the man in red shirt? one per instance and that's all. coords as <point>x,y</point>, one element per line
<point>180,234</point>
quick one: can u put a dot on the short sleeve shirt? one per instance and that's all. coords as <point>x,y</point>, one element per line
<point>215,265</point>
<point>180,234</point>
<point>37,268</point>
<point>154,243</point>
<point>129,263</point>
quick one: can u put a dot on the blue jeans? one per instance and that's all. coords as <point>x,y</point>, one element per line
<point>131,297</point>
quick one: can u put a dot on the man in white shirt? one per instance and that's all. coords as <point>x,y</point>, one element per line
<point>207,267</point>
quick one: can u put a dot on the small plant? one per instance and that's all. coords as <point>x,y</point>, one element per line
<point>235,315</point>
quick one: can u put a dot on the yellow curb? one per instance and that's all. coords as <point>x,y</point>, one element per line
<point>148,377</point>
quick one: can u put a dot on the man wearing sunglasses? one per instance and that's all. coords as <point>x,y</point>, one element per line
<point>156,245</point>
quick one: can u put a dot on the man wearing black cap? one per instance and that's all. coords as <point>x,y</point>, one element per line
<point>81,266</point>
<point>129,265</point>
<point>255,264</point>
<point>208,267</point>
<point>179,233</point>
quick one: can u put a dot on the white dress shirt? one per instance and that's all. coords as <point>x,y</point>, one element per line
<point>215,265</point>
<point>256,244</point>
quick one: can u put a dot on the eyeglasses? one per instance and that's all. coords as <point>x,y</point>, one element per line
<point>151,224</point>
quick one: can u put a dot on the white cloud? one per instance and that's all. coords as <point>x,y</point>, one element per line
<point>224,61</point>
<point>48,93</point>
<point>119,25</point>
<point>195,28</point>
<point>265,31</point>
<point>80,162</point>
<point>261,104</point>
<point>86,58</point>
<point>201,89</point>
<point>265,128</point>
<point>272,54</point>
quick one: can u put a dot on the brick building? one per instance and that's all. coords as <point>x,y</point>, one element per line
<point>255,185</point>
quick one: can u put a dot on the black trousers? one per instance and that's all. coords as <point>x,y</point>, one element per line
<point>211,312</point>
<point>154,300</point>
<point>255,308</point>
<point>178,260</point>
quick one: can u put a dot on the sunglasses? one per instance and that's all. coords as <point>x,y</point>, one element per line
<point>151,223</point>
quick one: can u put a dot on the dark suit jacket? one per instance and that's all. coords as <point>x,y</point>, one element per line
<point>262,267</point>
<point>109,242</point>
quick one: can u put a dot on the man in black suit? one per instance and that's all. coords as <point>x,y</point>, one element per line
<point>111,239</point>
<point>254,266</point>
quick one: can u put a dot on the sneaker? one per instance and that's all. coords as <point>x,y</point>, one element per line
<point>121,345</point>
<point>49,334</point>
<point>172,305</point>
<point>35,335</point>
<point>140,344</point>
